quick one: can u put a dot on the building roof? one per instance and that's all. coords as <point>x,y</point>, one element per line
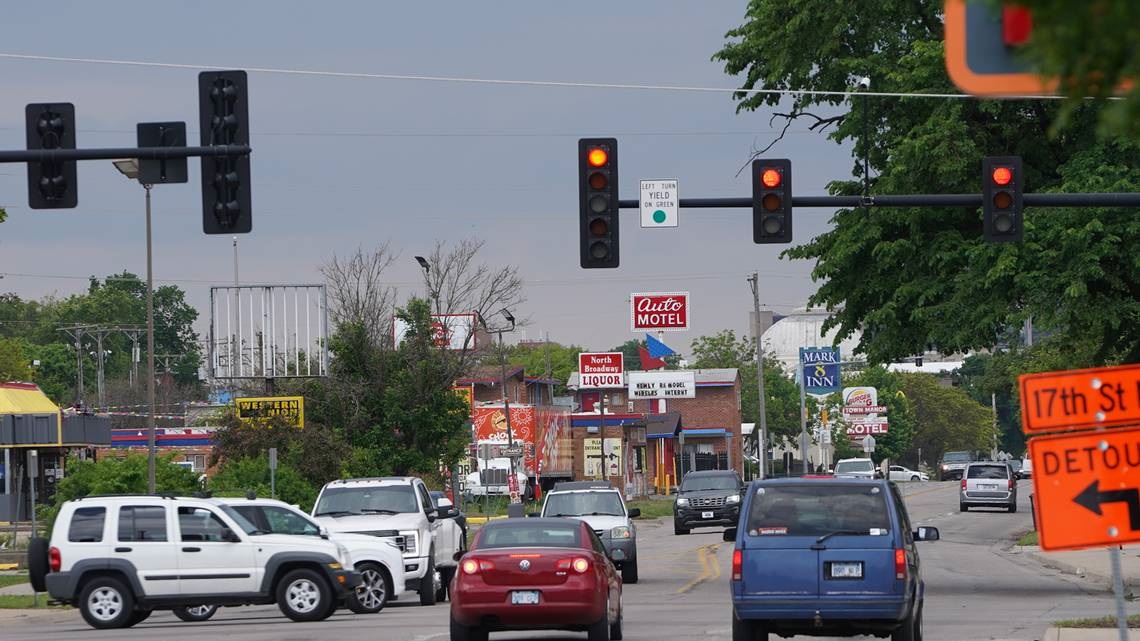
<point>25,398</point>
<point>718,377</point>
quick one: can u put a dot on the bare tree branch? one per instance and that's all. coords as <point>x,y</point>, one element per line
<point>820,124</point>
<point>357,293</point>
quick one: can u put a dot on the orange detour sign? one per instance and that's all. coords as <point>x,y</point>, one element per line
<point>1087,488</point>
<point>1080,398</point>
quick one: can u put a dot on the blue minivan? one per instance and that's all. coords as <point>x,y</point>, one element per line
<point>826,558</point>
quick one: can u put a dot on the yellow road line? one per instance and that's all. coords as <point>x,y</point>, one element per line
<point>710,567</point>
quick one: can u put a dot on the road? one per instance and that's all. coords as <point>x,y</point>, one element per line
<point>977,588</point>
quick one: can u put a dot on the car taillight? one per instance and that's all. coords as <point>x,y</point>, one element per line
<point>55,561</point>
<point>473,566</point>
<point>963,482</point>
<point>900,563</point>
<point>1012,484</point>
<point>579,564</point>
<point>737,563</point>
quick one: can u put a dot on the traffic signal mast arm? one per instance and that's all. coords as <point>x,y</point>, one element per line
<point>113,153</point>
<point>1126,199</point>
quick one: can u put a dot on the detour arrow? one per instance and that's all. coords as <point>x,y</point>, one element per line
<point>1092,498</point>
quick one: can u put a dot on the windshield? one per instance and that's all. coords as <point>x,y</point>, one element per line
<point>520,535</point>
<point>816,510</point>
<point>583,503</point>
<point>855,466</point>
<point>392,499</point>
<point>245,524</point>
<point>956,457</point>
<point>718,482</point>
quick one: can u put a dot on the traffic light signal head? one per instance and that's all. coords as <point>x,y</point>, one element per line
<point>598,202</point>
<point>1002,180</point>
<point>51,184</point>
<point>223,112</point>
<point>771,201</point>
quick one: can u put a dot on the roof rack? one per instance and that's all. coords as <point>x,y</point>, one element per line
<point>125,495</point>
<point>583,485</point>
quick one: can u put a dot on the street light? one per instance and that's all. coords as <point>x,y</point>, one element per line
<point>129,167</point>
<point>423,263</point>
<point>503,383</point>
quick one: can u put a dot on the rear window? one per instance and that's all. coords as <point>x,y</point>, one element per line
<point>987,472</point>
<point>87,525</point>
<point>854,466</point>
<point>818,509</point>
<point>510,536</point>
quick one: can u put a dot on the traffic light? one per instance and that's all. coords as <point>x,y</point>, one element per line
<point>598,202</point>
<point>1002,182</point>
<point>51,184</point>
<point>771,201</point>
<point>223,112</point>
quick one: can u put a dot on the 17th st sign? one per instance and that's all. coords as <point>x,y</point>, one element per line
<point>661,311</point>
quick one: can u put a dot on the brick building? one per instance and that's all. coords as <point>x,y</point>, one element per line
<point>486,386</point>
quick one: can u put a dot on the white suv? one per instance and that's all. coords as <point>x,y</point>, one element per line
<point>399,507</point>
<point>117,558</point>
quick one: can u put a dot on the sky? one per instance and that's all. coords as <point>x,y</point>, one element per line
<point>341,162</point>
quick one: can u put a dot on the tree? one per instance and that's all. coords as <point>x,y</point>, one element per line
<point>897,442</point>
<point>14,365</point>
<point>240,476</point>
<point>1074,272</point>
<point>458,284</point>
<point>315,451</point>
<point>946,417</point>
<point>563,359</point>
<point>357,293</point>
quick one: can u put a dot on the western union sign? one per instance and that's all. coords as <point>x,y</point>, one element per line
<point>258,409</point>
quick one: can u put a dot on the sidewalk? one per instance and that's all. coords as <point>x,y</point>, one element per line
<point>1093,564</point>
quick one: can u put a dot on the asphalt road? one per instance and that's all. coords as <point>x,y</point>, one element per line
<point>977,588</point>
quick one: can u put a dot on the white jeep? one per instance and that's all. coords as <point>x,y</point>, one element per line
<point>399,507</point>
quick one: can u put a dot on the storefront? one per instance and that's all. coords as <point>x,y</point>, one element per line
<point>612,449</point>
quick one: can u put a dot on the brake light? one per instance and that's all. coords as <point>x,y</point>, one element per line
<point>900,563</point>
<point>55,561</point>
<point>475,566</point>
<point>963,482</point>
<point>1012,484</point>
<point>579,564</point>
<point>737,564</point>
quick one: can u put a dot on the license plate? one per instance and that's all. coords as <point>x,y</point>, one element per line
<point>706,515</point>
<point>524,597</point>
<point>987,486</point>
<point>846,570</point>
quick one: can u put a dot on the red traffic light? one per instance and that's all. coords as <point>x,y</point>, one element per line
<point>597,157</point>
<point>1002,176</point>
<point>771,178</point>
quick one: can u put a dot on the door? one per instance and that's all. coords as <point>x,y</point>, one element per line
<point>443,553</point>
<point>143,538</point>
<point>208,563</point>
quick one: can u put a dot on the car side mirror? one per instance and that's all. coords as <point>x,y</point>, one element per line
<point>432,515</point>
<point>230,536</point>
<point>634,513</point>
<point>926,533</point>
<point>458,555</point>
<point>324,533</point>
<point>729,534</point>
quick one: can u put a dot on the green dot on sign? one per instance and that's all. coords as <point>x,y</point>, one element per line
<point>659,216</point>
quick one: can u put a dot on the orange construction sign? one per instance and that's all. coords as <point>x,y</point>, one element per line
<point>1087,488</point>
<point>1078,399</point>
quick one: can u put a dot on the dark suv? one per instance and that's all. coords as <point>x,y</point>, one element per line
<point>711,497</point>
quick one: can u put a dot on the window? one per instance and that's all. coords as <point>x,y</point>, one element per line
<point>583,503</point>
<point>510,536</point>
<point>283,521</point>
<point>599,547</point>
<point>857,465</point>
<point>87,525</point>
<point>200,524</point>
<point>818,509</point>
<point>395,499</point>
<point>199,463</point>
<point>711,482</point>
<point>142,523</point>
<point>425,499</point>
<point>988,472</point>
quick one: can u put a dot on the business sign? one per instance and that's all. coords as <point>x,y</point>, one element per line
<point>1087,489</point>
<point>611,453</point>
<point>659,202</point>
<point>489,425</point>
<point>258,410</point>
<point>662,385</point>
<point>660,311</point>
<point>602,457</point>
<point>600,370</point>
<point>1083,398</point>
<point>861,401</point>
<point>856,431</point>
<point>820,367</point>
<point>451,331</point>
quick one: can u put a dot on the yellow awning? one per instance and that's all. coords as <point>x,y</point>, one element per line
<point>24,398</point>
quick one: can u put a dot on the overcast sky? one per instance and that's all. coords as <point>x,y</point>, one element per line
<point>342,162</point>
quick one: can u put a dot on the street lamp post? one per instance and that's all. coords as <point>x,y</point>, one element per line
<point>130,168</point>
<point>503,383</point>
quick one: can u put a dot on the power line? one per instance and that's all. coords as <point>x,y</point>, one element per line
<point>500,81</point>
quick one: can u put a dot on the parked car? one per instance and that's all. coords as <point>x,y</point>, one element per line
<point>602,507</point>
<point>111,557</point>
<point>708,497</point>
<point>857,468</point>
<point>988,484</point>
<point>900,473</point>
<point>1026,470</point>
<point>398,506</point>
<point>377,559</point>
<point>953,464</point>
<point>826,558</point>
<point>536,574</point>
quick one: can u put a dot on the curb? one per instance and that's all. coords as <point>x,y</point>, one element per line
<point>1034,552</point>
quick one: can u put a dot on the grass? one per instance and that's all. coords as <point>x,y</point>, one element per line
<point>12,579</point>
<point>1030,538</point>
<point>24,602</point>
<point>652,508</point>
<point>1100,622</point>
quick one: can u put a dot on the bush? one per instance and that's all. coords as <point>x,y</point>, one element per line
<point>251,474</point>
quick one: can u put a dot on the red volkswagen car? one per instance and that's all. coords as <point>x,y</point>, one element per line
<point>536,574</point>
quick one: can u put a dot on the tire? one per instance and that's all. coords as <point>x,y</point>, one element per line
<point>962,507</point>
<point>194,613</point>
<point>445,575</point>
<point>616,627</point>
<point>911,629</point>
<point>138,617</point>
<point>629,571</point>
<point>1012,508</point>
<point>304,595</point>
<point>600,630</point>
<point>427,584</point>
<point>744,630</point>
<point>678,530</point>
<point>915,478</point>
<point>372,594</point>
<point>106,603</point>
<point>38,566</point>
<point>463,633</point>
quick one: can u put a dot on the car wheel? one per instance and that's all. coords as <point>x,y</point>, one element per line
<point>678,530</point>
<point>615,627</point>
<point>1013,507</point>
<point>962,507</point>
<point>106,603</point>
<point>914,478</point>
<point>137,617</point>
<point>38,563</point>
<point>443,576</point>
<point>911,629</point>
<point>460,632</point>
<point>371,595</point>
<point>303,595</point>
<point>196,612</point>
<point>427,584</point>
<point>629,571</point>
<point>600,630</point>
<point>743,630</point>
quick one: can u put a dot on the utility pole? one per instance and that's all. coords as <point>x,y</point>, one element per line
<point>762,424</point>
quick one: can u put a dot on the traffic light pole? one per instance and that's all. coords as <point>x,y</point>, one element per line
<point>113,153</point>
<point>1126,199</point>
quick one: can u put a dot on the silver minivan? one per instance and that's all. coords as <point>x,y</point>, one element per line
<point>988,484</point>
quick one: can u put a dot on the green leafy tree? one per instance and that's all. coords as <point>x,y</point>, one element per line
<point>912,279</point>
<point>14,365</point>
<point>240,476</point>
<point>946,418</point>
<point>896,444</point>
<point>315,452</point>
<point>563,360</point>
